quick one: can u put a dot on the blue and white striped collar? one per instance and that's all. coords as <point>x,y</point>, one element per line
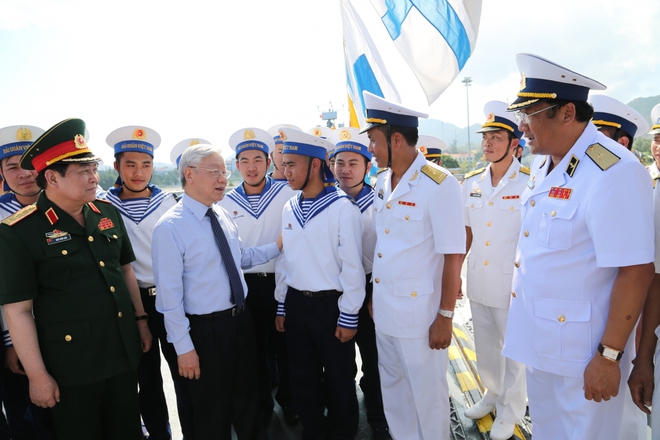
<point>157,197</point>
<point>271,189</point>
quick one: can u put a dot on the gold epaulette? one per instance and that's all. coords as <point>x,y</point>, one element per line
<point>524,170</point>
<point>381,170</point>
<point>20,215</point>
<point>601,156</point>
<point>475,172</point>
<point>434,174</point>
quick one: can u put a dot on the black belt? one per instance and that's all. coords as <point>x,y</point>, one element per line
<point>229,313</point>
<point>318,294</point>
<point>150,291</point>
<point>258,275</point>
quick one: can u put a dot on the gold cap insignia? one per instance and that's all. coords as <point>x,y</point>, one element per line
<point>79,142</point>
<point>523,81</point>
<point>317,132</point>
<point>23,134</point>
<point>282,135</point>
<point>194,142</point>
<point>491,117</point>
<point>139,134</point>
<point>344,135</point>
<point>423,150</point>
<point>248,134</point>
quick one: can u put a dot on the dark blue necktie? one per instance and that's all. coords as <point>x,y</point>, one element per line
<point>237,295</point>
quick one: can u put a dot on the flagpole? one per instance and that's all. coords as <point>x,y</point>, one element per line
<point>467,81</point>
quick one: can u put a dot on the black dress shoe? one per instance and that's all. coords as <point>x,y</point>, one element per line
<point>290,415</point>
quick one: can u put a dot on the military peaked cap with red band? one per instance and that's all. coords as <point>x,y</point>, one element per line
<point>64,142</point>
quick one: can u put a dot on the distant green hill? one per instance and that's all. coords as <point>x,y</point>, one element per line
<point>644,106</point>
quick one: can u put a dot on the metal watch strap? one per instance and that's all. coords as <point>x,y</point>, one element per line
<point>446,313</point>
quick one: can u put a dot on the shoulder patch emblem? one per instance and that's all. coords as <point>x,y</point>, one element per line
<point>474,173</point>
<point>20,215</point>
<point>436,175</point>
<point>524,170</point>
<point>601,156</point>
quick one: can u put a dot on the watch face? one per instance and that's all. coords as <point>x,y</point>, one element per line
<point>610,353</point>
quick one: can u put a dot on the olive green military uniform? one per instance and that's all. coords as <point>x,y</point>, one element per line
<point>82,308</point>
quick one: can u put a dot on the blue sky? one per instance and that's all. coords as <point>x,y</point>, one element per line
<point>205,69</point>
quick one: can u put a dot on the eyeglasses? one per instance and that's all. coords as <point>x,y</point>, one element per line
<point>524,117</point>
<point>215,173</point>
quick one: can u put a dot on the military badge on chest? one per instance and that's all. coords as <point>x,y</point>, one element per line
<point>57,236</point>
<point>380,194</point>
<point>105,223</point>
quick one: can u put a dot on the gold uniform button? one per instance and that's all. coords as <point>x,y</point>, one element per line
<point>101,263</point>
<point>68,338</point>
<point>65,252</point>
<point>488,224</point>
<point>526,233</point>
<point>488,243</point>
<point>414,294</point>
<point>112,289</point>
<point>532,203</point>
<point>407,217</point>
<point>120,314</point>
<point>553,213</point>
<point>380,255</point>
<point>387,231</point>
<point>490,203</point>
<point>513,294</point>
<point>377,280</point>
<point>114,236</point>
<point>561,318</point>
<point>472,205</point>
<point>388,206</point>
<point>485,263</point>
<point>516,264</point>
<point>511,208</point>
<point>90,238</point>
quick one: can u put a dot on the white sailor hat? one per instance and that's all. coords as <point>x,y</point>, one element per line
<point>430,146</point>
<point>349,139</point>
<point>177,151</point>
<point>542,79</point>
<point>14,140</point>
<point>136,138</point>
<point>251,138</point>
<point>322,132</point>
<point>655,118</point>
<point>498,119</point>
<point>275,131</point>
<point>304,144</point>
<point>609,112</point>
<point>383,112</point>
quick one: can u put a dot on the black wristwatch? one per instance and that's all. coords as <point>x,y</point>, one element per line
<point>610,353</point>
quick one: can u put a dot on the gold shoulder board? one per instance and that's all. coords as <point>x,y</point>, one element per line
<point>20,215</point>
<point>381,170</point>
<point>601,156</point>
<point>104,201</point>
<point>524,170</point>
<point>475,172</point>
<point>436,175</point>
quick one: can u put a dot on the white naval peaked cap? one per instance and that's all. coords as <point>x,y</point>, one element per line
<point>304,144</point>
<point>275,131</point>
<point>177,151</point>
<point>349,139</point>
<point>319,131</point>
<point>543,79</point>
<point>15,139</point>
<point>498,118</point>
<point>655,118</point>
<point>610,112</point>
<point>430,146</point>
<point>251,138</point>
<point>136,138</point>
<point>383,112</point>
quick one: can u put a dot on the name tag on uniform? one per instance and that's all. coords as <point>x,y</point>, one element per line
<point>57,236</point>
<point>510,197</point>
<point>380,193</point>
<point>475,194</point>
<point>560,193</point>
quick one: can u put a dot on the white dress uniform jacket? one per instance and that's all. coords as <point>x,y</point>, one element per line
<point>415,227</point>
<point>493,214</point>
<point>263,225</point>
<point>365,201</point>
<point>575,235</point>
